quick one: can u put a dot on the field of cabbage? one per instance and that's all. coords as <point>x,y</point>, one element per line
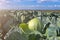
<point>33,25</point>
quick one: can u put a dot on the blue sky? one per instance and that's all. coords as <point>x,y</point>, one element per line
<point>30,4</point>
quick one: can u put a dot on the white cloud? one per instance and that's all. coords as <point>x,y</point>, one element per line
<point>23,0</point>
<point>3,2</point>
<point>49,0</point>
<point>30,0</point>
<point>39,1</point>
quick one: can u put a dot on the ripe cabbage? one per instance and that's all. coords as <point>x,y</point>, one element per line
<point>24,27</point>
<point>35,25</point>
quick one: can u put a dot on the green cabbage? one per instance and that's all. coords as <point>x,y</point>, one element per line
<point>35,25</point>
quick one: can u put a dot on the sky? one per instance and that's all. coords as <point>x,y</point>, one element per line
<point>30,4</point>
